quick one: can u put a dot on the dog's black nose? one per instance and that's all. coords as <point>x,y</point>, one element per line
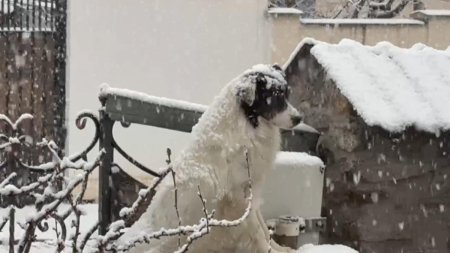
<point>296,120</point>
<point>260,79</point>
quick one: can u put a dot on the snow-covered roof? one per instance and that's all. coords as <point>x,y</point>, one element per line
<point>360,21</point>
<point>389,86</point>
<point>286,11</point>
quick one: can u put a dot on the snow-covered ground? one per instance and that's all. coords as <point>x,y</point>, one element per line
<point>46,241</point>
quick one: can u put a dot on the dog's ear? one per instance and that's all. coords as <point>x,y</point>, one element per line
<point>277,67</point>
<point>246,90</point>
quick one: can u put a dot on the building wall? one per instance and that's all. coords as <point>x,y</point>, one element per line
<point>288,31</point>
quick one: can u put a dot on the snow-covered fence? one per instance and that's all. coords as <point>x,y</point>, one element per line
<point>55,187</point>
<point>49,190</point>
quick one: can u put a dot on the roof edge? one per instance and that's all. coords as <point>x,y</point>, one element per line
<point>305,41</point>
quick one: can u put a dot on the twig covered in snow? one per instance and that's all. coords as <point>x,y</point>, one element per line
<point>49,190</point>
<point>4,219</point>
<point>175,192</point>
<point>88,235</point>
<point>50,208</point>
<point>132,214</point>
<point>10,189</point>
<point>7,180</point>
<point>206,223</point>
<point>195,231</point>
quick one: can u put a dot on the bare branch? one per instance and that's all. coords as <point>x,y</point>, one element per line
<point>205,211</point>
<point>176,203</point>
<point>88,235</point>
<point>390,13</point>
<point>48,209</point>
<point>195,231</point>
<point>131,215</point>
<point>7,180</point>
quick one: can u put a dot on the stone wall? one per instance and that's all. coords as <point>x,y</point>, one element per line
<point>384,192</point>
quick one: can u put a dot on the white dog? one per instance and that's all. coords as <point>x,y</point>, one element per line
<point>244,118</point>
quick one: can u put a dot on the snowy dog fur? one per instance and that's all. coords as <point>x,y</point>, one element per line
<point>216,162</point>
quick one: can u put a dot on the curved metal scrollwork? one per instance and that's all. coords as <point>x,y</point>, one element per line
<point>80,122</point>
<point>47,189</point>
<point>131,159</point>
<point>16,140</point>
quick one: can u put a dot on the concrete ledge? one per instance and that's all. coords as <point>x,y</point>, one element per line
<point>426,15</point>
<point>284,11</point>
<point>376,21</point>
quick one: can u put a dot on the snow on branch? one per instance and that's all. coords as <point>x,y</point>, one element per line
<point>195,231</point>
<point>49,190</point>
<point>49,210</point>
<point>132,214</point>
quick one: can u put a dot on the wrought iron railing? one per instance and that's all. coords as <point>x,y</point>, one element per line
<point>48,187</point>
<point>29,15</point>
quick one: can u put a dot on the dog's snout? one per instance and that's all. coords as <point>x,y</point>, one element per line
<point>296,119</point>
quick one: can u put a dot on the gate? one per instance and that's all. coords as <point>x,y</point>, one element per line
<point>33,75</point>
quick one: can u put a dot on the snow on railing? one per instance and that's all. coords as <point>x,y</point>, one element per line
<point>106,90</point>
<point>49,190</point>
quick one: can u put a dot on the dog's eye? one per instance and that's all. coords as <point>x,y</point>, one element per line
<point>267,94</point>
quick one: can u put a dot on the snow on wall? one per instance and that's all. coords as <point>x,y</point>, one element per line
<point>283,10</point>
<point>434,12</point>
<point>366,21</point>
<point>298,159</point>
<point>309,248</point>
<point>389,86</point>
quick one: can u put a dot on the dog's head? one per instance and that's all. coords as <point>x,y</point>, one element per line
<point>263,94</point>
